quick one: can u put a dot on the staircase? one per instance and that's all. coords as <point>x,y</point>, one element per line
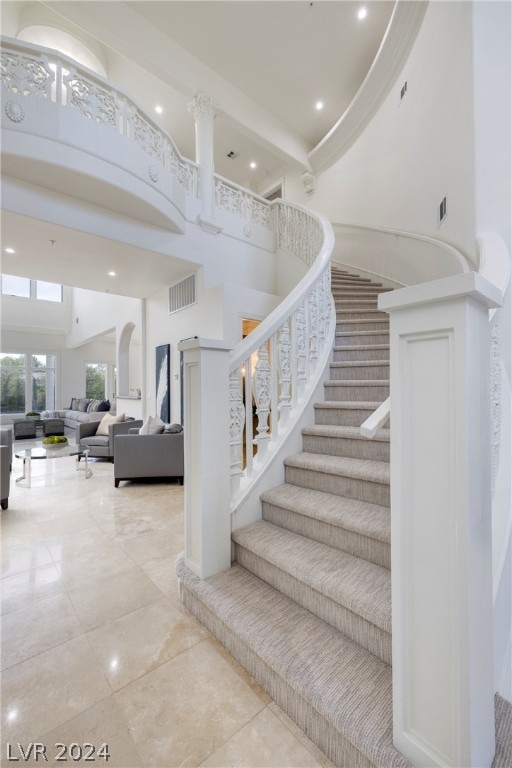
<point>306,607</point>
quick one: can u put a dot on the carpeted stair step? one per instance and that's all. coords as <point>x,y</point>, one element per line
<point>336,691</point>
<point>356,304</point>
<point>359,369</point>
<point>350,594</point>
<point>354,478</point>
<point>357,291</point>
<point>361,352</point>
<point>351,338</point>
<point>361,313</point>
<point>346,413</point>
<point>352,280</point>
<point>362,324</point>
<point>357,389</point>
<point>356,527</point>
<point>345,441</point>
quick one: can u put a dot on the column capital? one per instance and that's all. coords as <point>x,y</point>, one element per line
<point>203,105</point>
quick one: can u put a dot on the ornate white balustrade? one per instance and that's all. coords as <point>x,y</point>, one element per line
<point>271,369</point>
<point>28,71</point>
<point>231,198</point>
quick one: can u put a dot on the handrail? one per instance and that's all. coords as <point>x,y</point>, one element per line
<point>233,198</point>
<point>35,71</point>
<point>381,415</point>
<point>275,365</point>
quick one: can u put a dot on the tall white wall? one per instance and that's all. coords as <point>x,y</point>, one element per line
<point>416,152</point>
<point>34,315</point>
<point>94,314</point>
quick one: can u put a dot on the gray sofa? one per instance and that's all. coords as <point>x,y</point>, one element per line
<point>72,417</point>
<point>147,456</point>
<point>6,437</point>
<point>5,475</point>
<point>102,446</point>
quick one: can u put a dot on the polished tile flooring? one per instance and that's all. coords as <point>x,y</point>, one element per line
<point>96,646</point>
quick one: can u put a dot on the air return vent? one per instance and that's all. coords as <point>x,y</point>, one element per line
<point>233,155</point>
<point>182,295</point>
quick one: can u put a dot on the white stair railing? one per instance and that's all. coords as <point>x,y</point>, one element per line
<point>271,370</point>
<point>30,71</point>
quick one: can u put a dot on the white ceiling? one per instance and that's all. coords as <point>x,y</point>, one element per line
<point>265,63</point>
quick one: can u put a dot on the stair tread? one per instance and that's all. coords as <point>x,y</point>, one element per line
<point>364,320</point>
<point>351,433</point>
<point>346,684</point>
<point>360,517</point>
<point>355,405</point>
<point>361,347</point>
<point>360,586</point>
<point>360,469</point>
<point>357,363</point>
<point>362,333</point>
<point>357,382</point>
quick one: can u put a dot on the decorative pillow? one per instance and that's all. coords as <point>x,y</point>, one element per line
<point>171,429</point>
<point>93,405</point>
<point>104,406</point>
<point>106,421</point>
<point>75,404</point>
<point>152,426</point>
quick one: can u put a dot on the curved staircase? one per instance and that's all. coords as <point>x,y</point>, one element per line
<point>306,607</point>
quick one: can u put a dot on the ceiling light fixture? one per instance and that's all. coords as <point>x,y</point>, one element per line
<point>319,105</point>
<point>362,13</point>
<point>112,274</point>
<point>159,109</point>
<point>10,250</point>
<point>253,165</point>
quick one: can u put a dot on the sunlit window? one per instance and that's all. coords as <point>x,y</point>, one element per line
<point>16,286</point>
<point>25,288</point>
<point>48,291</point>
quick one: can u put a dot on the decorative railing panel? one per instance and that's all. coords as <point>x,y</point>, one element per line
<point>231,198</point>
<point>271,370</point>
<point>31,72</point>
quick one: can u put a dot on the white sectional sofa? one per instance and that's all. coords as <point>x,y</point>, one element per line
<point>80,411</point>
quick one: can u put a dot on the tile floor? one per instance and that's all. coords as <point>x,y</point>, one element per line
<point>96,646</point>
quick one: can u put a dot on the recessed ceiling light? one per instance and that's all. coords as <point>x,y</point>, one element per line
<point>10,250</point>
<point>362,13</point>
<point>159,109</point>
<point>253,164</point>
<point>319,105</point>
<point>112,274</point>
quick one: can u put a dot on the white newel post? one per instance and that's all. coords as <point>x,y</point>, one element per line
<point>207,462</point>
<point>443,692</point>
<point>204,112</point>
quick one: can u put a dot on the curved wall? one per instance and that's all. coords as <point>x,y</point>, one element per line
<point>417,151</point>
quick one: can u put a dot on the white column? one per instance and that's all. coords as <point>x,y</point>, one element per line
<point>207,462</point>
<point>441,564</point>
<point>204,112</point>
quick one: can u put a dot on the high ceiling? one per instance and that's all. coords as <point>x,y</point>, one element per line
<point>266,64</point>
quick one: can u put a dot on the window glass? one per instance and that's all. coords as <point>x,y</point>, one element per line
<point>95,380</point>
<point>16,286</point>
<point>12,383</point>
<point>48,291</point>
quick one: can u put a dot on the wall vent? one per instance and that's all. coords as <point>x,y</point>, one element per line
<point>442,210</point>
<point>182,294</point>
<point>403,90</point>
<point>233,155</point>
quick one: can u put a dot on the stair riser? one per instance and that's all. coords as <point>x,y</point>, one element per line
<point>339,485</point>
<point>362,314</point>
<point>374,639</point>
<point>362,325</point>
<point>341,417</point>
<point>360,354</point>
<point>378,552</point>
<point>375,393</point>
<point>376,450</point>
<point>338,749</point>
<point>357,291</point>
<point>343,340</point>
<point>356,305</point>
<point>353,281</point>
<point>362,372</point>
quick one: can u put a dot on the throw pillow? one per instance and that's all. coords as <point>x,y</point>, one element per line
<point>93,406</point>
<point>104,406</point>
<point>106,421</point>
<point>171,429</point>
<point>152,426</point>
<point>75,404</point>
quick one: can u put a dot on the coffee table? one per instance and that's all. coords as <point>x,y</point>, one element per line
<point>52,452</point>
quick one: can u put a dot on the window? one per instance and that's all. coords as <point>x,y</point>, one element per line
<point>12,382</point>
<point>25,288</point>
<point>16,286</point>
<point>48,291</point>
<point>96,380</point>
<point>27,382</point>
